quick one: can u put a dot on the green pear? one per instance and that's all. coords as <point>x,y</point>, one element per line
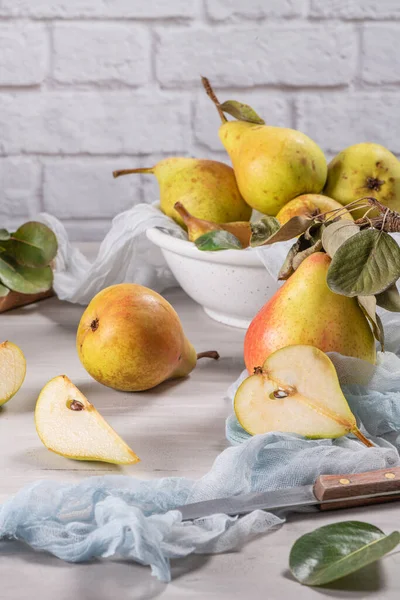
<point>305,311</point>
<point>364,170</point>
<point>272,165</point>
<point>297,391</point>
<point>207,188</point>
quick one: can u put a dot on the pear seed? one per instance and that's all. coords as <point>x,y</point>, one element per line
<point>76,405</point>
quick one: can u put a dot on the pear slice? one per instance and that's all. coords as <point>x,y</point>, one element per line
<point>12,370</point>
<point>296,390</point>
<point>69,425</point>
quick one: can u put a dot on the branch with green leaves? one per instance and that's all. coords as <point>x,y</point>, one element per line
<point>365,258</point>
<point>25,257</point>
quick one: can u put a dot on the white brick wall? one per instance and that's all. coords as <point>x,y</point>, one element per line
<point>88,86</point>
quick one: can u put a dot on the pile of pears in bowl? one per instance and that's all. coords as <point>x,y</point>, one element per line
<point>279,180</point>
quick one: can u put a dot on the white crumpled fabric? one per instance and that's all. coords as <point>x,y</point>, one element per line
<point>136,520</point>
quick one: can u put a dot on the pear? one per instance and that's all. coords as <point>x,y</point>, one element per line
<point>272,165</point>
<point>208,189</point>
<point>311,205</point>
<point>131,339</point>
<point>364,170</point>
<point>296,390</point>
<point>305,311</point>
<point>69,425</point>
<point>197,227</point>
<point>12,370</point>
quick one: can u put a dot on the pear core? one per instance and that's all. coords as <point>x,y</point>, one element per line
<point>297,391</point>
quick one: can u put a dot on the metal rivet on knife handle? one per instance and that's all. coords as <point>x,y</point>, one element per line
<point>344,481</point>
<point>390,476</point>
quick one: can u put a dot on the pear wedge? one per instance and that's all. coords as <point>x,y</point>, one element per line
<point>12,370</point>
<point>69,425</point>
<point>296,390</point>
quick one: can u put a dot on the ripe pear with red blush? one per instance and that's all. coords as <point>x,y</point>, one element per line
<point>305,311</point>
<point>131,339</point>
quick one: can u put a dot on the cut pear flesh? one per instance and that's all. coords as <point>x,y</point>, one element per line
<point>12,370</point>
<point>69,425</point>
<point>296,390</point>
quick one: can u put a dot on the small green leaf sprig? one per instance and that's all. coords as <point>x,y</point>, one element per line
<point>25,257</point>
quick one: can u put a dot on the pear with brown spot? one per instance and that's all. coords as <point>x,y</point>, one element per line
<point>296,391</point>
<point>364,170</point>
<point>131,339</point>
<point>272,165</point>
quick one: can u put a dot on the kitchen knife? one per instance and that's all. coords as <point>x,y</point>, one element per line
<point>328,492</point>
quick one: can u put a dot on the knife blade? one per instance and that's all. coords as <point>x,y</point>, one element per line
<point>328,492</point>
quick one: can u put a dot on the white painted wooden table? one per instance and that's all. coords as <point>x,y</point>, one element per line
<point>176,429</point>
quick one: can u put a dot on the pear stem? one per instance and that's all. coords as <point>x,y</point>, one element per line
<point>362,438</point>
<point>182,212</point>
<point>211,94</point>
<point>130,171</point>
<point>209,354</point>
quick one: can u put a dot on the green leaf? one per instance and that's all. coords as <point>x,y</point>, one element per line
<point>336,233</point>
<point>291,229</point>
<point>25,280</point>
<point>262,230</point>
<point>300,256</point>
<point>333,551</point>
<point>218,240</point>
<point>33,245</point>
<point>4,235</point>
<point>241,111</point>
<point>389,299</point>
<point>365,264</point>
<point>4,291</point>
<point>368,306</point>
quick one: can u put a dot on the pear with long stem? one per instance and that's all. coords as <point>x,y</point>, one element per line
<point>272,165</point>
<point>207,188</point>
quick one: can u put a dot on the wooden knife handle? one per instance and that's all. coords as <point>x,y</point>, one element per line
<point>333,487</point>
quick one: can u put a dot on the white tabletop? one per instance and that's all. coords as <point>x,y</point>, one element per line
<point>176,429</point>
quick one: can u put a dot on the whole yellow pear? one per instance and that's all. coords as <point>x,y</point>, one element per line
<point>207,188</point>
<point>305,311</point>
<point>311,205</point>
<point>364,169</point>
<point>131,339</point>
<point>272,165</point>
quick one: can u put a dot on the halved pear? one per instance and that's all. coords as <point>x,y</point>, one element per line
<point>296,390</point>
<point>12,370</point>
<point>69,425</point>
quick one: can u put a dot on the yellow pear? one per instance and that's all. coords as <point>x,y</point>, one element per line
<point>207,188</point>
<point>68,424</point>
<point>305,311</point>
<point>272,165</point>
<point>12,370</point>
<point>198,227</point>
<point>131,339</point>
<point>364,170</point>
<point>311,205</point>
<point>296,391</point>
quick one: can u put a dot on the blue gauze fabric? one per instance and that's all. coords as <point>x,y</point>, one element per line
<point>133,519</point>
